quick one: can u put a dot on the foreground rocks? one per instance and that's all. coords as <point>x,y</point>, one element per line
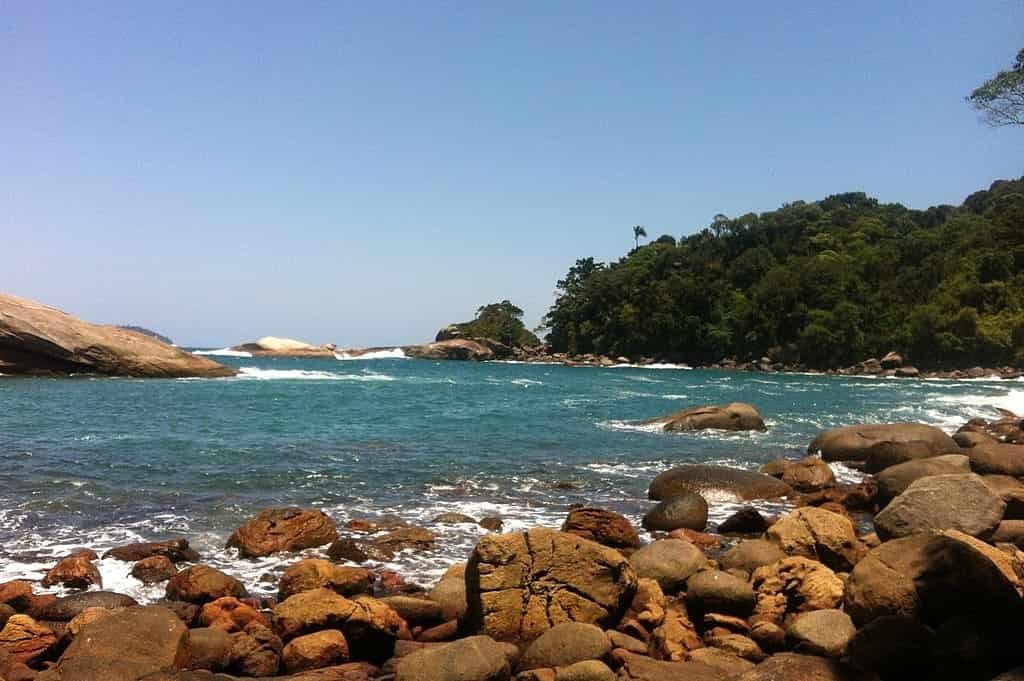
<point>36,339</point>
<point>733,416</point>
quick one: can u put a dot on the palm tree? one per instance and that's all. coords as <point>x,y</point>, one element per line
<point>639,231</point>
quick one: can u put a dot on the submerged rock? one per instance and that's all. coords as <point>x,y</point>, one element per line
<point>708,479</point>
<point>733,416</point>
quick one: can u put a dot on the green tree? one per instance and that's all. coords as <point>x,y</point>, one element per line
<point>638,231</point>
<point>1000,99</point>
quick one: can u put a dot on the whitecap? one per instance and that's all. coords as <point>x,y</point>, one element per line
<point>394,353</point>
<point>655,365</point>
<point>525,382</point>
<point>308,375</point>
<point>223,352</point>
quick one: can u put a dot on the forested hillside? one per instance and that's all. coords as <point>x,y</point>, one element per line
<point>825,284</point>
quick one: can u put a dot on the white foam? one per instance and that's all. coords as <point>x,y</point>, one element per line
<point>525,382</point>
<point>655,365</point>
<point>632,426</point>
<point>223,352</point>
<point>395,353</point>
<point>308,375</point>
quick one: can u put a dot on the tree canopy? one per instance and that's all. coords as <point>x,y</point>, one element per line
<point>502,322</point>
<point>1000,99</point>
<point>825,283</point>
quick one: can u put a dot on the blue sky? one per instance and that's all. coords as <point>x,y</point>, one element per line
<point>364,173</point>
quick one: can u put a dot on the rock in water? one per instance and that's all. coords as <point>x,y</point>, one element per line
<point>710,480</point>
<point>457,349</point>
<point>688,510</point>
<point>283,529</point>
<point>733,416</point>
<point>807,475</point>
<point>520,585</point>
<point>942,502</point>
<point>604,527</point>
<point>851,443</point>
<point>38,339</point>
<point>201,584</point>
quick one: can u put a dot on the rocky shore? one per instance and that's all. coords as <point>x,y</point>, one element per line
<point>914,573</point>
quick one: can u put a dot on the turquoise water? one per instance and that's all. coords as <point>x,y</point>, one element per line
<point>96,462</point>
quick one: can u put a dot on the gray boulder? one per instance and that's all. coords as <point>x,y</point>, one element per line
<point>821,632</point>
<point>670,562</point>
<point>565,644</point>
<point>477,658</point>
<point>688,510</point>
<point>942,502</point>
<point>851,443</point>
<point>894,480</point>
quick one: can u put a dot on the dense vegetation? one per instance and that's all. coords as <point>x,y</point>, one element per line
<point>502,322</point>
<point>825,284</point>
<point>143,330</point>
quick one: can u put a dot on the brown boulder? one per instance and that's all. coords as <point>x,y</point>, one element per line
<point>715,480</point>
<point>894,480</point>
<point>17,594</point>
<point>209,649</point>
<point>676,637</point>
<point>154,569</point>
<point>177,550</point>
<point>26,640</point>
<point>414,538</point>
<point>255,651</point>
<point>794,584</point>
<point>455,349</point>
<point>283,529</point>
<point>794,667</point>
<point>997,459</point>
<point>519,585</point>
<point>316,573</point>
<point>475,658</point>
<point>201,583</point>
<point>316,650</point>
<point>66,608</point>
<point>809,474</point>
<point>819,534</point>
<point>734,416</point>
<point>942,502</point>
<point>370,626</point>
<point>602,526</point>
<point>750,554</point>
<point>35,338</point>
<point>747,520</point>
<point>821,632</point>
<point>669,561</point>
<point>74,572</point>
<point>230,615</point>
<point>642,668</point>
<point>851,443</point>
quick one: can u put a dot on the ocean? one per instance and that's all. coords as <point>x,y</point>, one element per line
<point>97,462</point>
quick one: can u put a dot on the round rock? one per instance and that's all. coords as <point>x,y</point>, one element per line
<point>688,510</point>
<point>670,562</point>
<point>565,644</point>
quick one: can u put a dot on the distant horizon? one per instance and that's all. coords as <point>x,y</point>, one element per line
<point>365,175</point>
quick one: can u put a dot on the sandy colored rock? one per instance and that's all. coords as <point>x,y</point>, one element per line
<point>894,480</point>
<point>642,668</point>
<point>676,636</point>
<point>733,416</point>
<point>719,658</point>
<point>519,585</point>
<point>819,534</point>
<point>316,650</point>
<point>822,632</point>
<point>74,572</point>
<point>455,349</point>
<point>154,569</point>
<point>997,459</point>
<point>38,339</point>
<point>370,626</point>
<point>565,644</point>
<point>602,526</point>
<point>792,585</point>
<point>450,593</point>
<point>26,640</point>
<point>719,592</point>
<point>209,649</point>
<point>476,658</point>
<point>283,529</point>
<point>255,651</point>
<point>669,561</point>
<point>750,554</point>
<point>716,481</point>
<point>851,443</point>
<point>230,614</point>
<point>806,475</point>
<point>316,573</point>
<point>201,584</point>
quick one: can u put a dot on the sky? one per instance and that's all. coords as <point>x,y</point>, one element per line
<point>365,173</point>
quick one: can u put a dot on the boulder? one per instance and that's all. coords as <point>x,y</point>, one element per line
<point>820,534</point>
<point>25,640</point>
<point>454,349</point>
<point>316,650</point>
<point>892,360</point>
<point>316,573</point>
<point>881,455</point>
<point>66,608</point>
<point>519,585</point>
<point>450,593</point>
<point>642,668</point>
<point>821,632</point>
<point>719,592</point>
<point>997,459</point>
<point>209,649</point>
<point>734,416</point>
<point>750,554</point>
<point>17,594</point>
<point>283,529</point>
<point>565,644</point>
<point>792,585</point>
<point>370,626</point>
<point>255,651</point>
<point>415,611</point>
<point>202,583</point>
<point>1011,491</point>
<point>602,526</point>
<point>687,510</point>
<point>349,550</point>
<point>668,561</point>
<point>454,519</point>
<point>737,644</point>
<point>676,637</point>
<point>747,520</point>
<point>732,664</point>
<point>273,346</point>
<point>717,481</point>
<point>851,443</point>
<point>154,569</point>
<point>177,550</point>
<point>127,645</point>
<point>894,480</point>
<point>38,339</point>
<point>646,611</point>
<point>230,615</point>
<point>809,474</point>
<point>587,670</point>
<point>476,658</point>
<point>795,667</point>
<point>894,647</point>
<point>5,614</point>
<point>74,572</point>
<point>404,538</point>
<point>87,616</point>
<point>941,502</point>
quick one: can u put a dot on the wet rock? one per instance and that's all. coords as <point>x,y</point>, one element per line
<point>716,480</point>
<point>177,550</point>
<point>283,529</point>
<point>734,416</point>
<point>255,651</point>
<point>347,550</point>
<point>747,520</point>
<point>406,538</point>
<point>230,614</point>
<point>370,626</point>
<point>688,510</point>
<point>519,585</point>
<point>719,592</point>
<point>26,640</point>
<point>127,645</point>
<point>851,443</point>
<point>894,480</point>
<point>792,585</point>
<point>415,611</point>
<point>454,519</point>
<point>492,523</point>
<point>997,459</point>
<point>750,554</point>
<point>316,650</point>
<point>942,502</point>
<point>316,573</point>
<point>201,584</point>
<point>476,658</point>
<point>210,649</point>
<point>64,609</point>
<point>806,475</point>
<point>565,644</point>
<point>668,561</point>
<point>822,632</point>
<point>450,593</point>
<point>154,569</point>
<point>74,572</point>
<point>17,594</point>
<point>602,526</point>
<point>819,534</point>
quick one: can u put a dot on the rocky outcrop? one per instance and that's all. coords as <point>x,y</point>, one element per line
<point>717,480</point>
<point>369,625</point>
<point>851,443</point>
<point>316,573</point>
<point>36,339</point>
<point>283,529</point>
<point>272,346</point>
<point>74,572</point>
<point>454,349</point>
<point>519,585</point>
<point>733,416</point>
